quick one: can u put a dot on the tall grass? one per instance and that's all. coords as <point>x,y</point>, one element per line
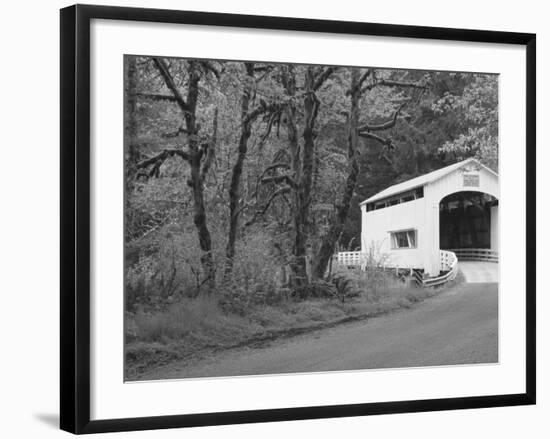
<point>199,317</point>
<point>203,318</point>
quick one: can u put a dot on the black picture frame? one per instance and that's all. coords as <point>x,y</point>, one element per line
<point>75,217</point>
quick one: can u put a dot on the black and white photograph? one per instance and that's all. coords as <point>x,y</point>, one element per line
<point>288,218</point>
<point>275,220</point>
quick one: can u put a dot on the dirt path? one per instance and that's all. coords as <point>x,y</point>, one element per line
<point>459,326</point>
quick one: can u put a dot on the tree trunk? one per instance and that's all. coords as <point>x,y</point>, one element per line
<point>131,156</point>
<point>303,198</point>
<point>302,163</point>
<point>331,237</point>
<point>298,275</point>
<point>236,176</point>
<point>131,107</point>
<point>199,218</point>
<point>195,181</point>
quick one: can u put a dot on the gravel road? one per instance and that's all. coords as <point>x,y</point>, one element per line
<point>459,326</point>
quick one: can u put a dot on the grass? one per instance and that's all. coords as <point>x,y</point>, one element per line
<point>192,328</point>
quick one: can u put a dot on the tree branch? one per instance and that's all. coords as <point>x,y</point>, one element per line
<point>261,109</point>
<point>280,179</point>
<point>322,77</point>
<point>274,195</point>
<point>209,67</point>
<point>266,71</point>
<point>265,171</point>
<point>263,68</point>
<point>161,157</point>
<point>156,97</point>
<point>275,166</point>
<point>211,147</point>
<point>391,83</point>
<point>385,125</point>
<point>169,81</point>
<point>363,77</point>
<point>386,158</point>
<point>386,142</point>
<point>271,120</point>
<point>176,133</point>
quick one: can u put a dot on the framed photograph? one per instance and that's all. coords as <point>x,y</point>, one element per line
<point>268,218</point>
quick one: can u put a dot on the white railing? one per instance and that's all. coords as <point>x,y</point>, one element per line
<point>449,265</point>
<point>352,259</point>
<point>447,259</point>
<point>476,254</point>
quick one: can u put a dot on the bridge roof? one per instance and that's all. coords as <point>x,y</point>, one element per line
<point>423,180</point>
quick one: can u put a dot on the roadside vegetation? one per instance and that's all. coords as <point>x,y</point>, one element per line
<point>191,328</point>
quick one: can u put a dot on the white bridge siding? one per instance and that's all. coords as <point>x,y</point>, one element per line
<point>377,225</point>
<point>422,215</point>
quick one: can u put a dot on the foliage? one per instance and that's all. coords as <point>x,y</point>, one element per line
<point>477,112</point>
<point>344,284</point>
<point>235,198</point>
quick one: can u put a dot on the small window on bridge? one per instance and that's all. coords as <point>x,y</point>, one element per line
<point>403,197</point>
<point>403,239</point>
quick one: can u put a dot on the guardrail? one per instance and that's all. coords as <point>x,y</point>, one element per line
<point>475,254</point>
<point>449,263</point>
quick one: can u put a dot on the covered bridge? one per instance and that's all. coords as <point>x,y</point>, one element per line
<point>423,223</point>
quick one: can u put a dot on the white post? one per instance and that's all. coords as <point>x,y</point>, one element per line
<point>436,249</point>
<point>494,228</point>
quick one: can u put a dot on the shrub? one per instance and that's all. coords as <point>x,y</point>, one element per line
<point>345,285</point>
<point>138,281</point>
<point>256,278</point>
<point>373,284</point>
<point>167,269</point>
<point>315,289</point>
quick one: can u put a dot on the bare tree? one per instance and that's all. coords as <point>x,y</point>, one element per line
<point>328,241</point>
<point>198,154</point>
<point>295,176</point>
<point>247,118</point>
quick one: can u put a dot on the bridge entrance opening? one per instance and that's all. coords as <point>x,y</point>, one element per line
<point>468,220</point>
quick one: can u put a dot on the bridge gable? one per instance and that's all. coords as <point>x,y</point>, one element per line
<point>472,177</point>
